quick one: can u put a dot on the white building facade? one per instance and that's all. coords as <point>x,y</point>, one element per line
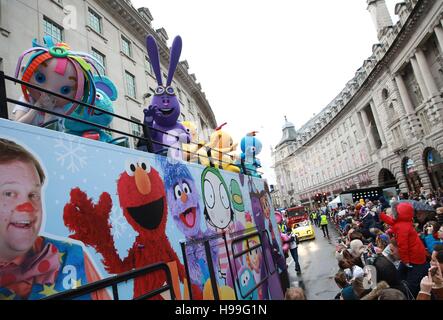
<point>385,128</point>
<point>114,32</point>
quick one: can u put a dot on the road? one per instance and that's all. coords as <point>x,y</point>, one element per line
<point>318,265</point>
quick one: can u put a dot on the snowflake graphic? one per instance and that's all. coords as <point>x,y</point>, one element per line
<point>71,153</point>
<point>118,222</point>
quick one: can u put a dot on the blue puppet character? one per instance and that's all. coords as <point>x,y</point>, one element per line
<point>247,284</point>
<point>106,94</point>
<point>184,208</point>
<point>250,147</point>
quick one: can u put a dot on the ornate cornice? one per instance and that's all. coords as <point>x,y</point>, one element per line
<point>375,66</point>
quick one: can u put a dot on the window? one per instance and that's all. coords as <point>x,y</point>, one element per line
<point>179,92</point>
<point>100,58</point>
<point>148,66</point>
<point>95,21</point>
<point>136,128</point>
<point>126,47</point>
<point>53,30</point>
<point>130,85</point>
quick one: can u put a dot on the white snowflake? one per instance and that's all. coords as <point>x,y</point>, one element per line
<point>118,222</point>
<point>71,153</point>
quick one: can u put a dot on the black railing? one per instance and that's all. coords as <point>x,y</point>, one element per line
<point>236,255</point>
<point>145,140</point>
<point>115,280</point>
<point>206,246</point>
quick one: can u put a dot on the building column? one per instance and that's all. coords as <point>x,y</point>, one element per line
<point>423,174</point>
<point>439,34</point>
<point>419,76</point>
<point>378,123</point>
<point>404,95</point>
<point>368,130</point>
<point>426,72</point>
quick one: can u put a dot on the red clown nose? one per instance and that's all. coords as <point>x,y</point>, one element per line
<point>25,207</point>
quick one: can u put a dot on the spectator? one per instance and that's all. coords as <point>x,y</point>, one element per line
<point>391,294</point>
<point>440,215</point>
<point>293,248</point>
<point>357,249</point>
<point>295,294</point>
<point>411,249</point>
<point>341,281</point>
<point>430,235</point>
<point>351,270</point>
<point>391,253</point>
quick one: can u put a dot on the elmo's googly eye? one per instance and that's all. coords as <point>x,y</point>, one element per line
<point>146,166</point>
<point>130,168</point>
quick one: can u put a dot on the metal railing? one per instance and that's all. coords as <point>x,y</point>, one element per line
<point>144,141</point>
<point>115,280</point>
<point>236,255</point>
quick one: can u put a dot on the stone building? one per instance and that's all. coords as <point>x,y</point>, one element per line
<point>114,32</point>
<point>385,128</point>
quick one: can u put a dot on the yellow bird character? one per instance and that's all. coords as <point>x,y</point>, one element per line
<point>220,151</point>
<point>190,150</point>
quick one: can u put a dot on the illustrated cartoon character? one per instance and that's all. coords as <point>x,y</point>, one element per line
<point>220,151</point>
<point>106,94</point>
<point>190,150</point>
<point>184,207</point>
<point>250,147</point>
<point>56,68</point>
<point>218,211</point>
<point>237,197</point>
<point>261,215</point>
<point>143,200</point>
<point>246,284</point>
<point>162,114</point>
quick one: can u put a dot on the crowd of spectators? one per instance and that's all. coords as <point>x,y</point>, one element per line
<point>390,250</point>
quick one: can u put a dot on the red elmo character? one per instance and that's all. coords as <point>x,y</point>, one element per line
<point>142,198</point>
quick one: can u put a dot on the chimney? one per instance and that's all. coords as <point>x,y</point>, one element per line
<point>380,16</point>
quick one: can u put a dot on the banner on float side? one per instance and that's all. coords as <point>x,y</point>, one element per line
<point>106,209</point>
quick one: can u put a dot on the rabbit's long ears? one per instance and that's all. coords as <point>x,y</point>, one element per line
<point>176,51</point>
<point>151,45</point>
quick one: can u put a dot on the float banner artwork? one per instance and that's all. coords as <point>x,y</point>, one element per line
<point>80,210</point>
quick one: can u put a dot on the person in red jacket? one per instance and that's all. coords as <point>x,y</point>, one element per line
<point>412,252</point>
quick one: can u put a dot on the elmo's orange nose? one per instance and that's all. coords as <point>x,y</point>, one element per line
<point>142,181</point>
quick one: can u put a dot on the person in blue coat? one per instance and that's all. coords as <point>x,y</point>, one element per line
<point>430,235</point>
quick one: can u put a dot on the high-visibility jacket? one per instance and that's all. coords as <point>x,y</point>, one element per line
<point>314,215</point>
<point>323,219</point>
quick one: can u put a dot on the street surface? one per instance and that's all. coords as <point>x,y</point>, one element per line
<point>318,265</point>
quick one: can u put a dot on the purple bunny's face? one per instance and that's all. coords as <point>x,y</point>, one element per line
<point>166,105</point>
